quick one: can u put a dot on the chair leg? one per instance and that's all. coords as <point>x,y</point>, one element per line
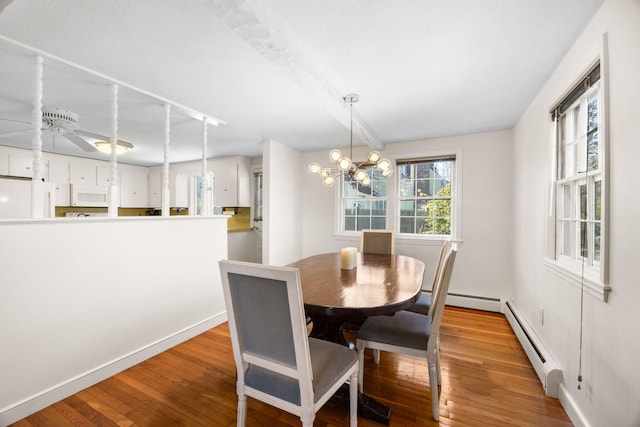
<point>376,356</point>
<point>353,399</point>
<point>433,385</point>
<point>438,366</point>
<point>307,418</point>
<point>360,348</point>
<point>242,410</point>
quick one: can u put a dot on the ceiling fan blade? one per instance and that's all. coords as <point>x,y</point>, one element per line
<point>15,121</point>
<point>102,137</point>
<point>84,144</point>
<point>15,133</point>
<point>92,135</point>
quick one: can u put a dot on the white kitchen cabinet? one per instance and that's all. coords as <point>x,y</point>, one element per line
<point>59,176</point>
<point>180,191</point>
<point>103,175</point>
<point>22,166</point>
<point>134,187</point>
<point>155,187</point>
<point>4,164</point>
<point>232,181</point>
<point>84,173</point>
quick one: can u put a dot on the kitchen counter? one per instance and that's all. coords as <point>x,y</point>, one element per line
<point>238,228</point>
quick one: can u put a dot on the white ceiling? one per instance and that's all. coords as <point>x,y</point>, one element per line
<point>277,69</point>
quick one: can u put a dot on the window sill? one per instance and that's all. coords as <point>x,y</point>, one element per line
<point>572,274</point>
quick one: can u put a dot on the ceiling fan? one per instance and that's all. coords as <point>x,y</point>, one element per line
<point>65,123</point>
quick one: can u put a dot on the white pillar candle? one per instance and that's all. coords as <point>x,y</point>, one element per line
<point>348,258</point>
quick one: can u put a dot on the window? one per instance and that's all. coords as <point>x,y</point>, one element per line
<point>364,207</point>
<point>425,196</point>
<point>579,186</point>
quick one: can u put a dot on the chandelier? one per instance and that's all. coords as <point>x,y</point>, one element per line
<point>344,164</point>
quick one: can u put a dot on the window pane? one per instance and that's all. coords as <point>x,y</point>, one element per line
<point>350,207</point>
<point>379,188</point>
<point>566,207</point>
<point>350,223</point>
<point>350,188</point>
<point>583,201</point>
<point>596,243</point>
<point>566,238</point>
<point>592,150</point>
<point>422,188</point>
<point>379,207</point>
<point>423,170</point>
<point>407,208</point>
<point>406,188</point>
<point>583,239</point>
<point>378,223</point>
<point>407,225</point>
<point>597,199</point>
<point>363,223</point>
<point>592,120</point>
<point>422,207</point>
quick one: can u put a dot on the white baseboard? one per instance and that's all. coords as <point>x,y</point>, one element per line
<point>474,302</point>
<point>73,385</point>
<point>571,408</point>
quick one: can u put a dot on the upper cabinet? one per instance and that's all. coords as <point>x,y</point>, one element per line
<point>232,181</point>
<point>84,173</point>
<point>22,166</point>
<point>134,187</point>
<point>155,187</point>
<point>59,176</point>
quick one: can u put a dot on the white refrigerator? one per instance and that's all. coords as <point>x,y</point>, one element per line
<point>15,198</point>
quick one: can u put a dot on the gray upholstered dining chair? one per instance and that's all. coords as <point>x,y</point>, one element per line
<point>377,242</point>
<point>275,360</point>
<point>410,333</point>
<point>423,305</point>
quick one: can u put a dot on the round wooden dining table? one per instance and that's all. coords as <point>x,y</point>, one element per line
<point>380,284</point>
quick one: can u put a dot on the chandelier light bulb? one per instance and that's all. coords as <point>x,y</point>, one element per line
<point>360,174</point>
<point>366,181</point>
<point>335,155</point>
<point>384,164</point>
<point>325,172</point>
<point>387,172</point>
<point>344,163</point>
<point>314,168</point>
<point>328,181</point>
<point>374,156</point>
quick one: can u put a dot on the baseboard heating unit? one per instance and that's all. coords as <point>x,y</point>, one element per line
<point>542,361</point>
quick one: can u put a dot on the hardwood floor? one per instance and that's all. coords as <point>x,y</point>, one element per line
<point>486,381</point>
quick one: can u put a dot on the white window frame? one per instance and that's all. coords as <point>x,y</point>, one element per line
<point>342,208</point>
<point>591,274</point>
<point>393,202</point>
<point>455,201</point>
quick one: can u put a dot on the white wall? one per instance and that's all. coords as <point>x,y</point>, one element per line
<point>484,266</point>
<point>282,223</point>
<point>610,393</point>
<point>85,298</point>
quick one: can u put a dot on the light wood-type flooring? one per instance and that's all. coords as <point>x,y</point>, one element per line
<point>487,380</point>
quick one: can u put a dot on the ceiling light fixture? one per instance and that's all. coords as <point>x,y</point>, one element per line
<point>105,147</point>
<point>346,165</point>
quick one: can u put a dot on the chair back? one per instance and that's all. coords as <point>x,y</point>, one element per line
<point>435,287</point>
<point>438,303</point>
<point>267,322</point>
<point>377,242</point>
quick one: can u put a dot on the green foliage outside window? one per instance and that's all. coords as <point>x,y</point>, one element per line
<point>438,213</point>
